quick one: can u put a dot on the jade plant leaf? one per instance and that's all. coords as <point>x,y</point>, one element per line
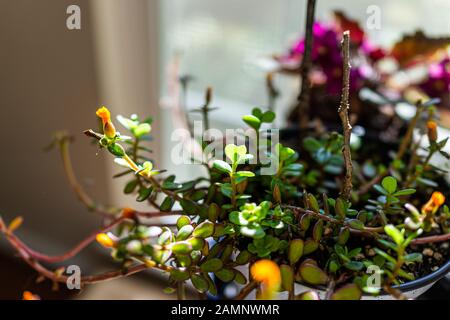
<point>347,292</point>
<point>295,250</point>
<point>212,265</point>
<point>312,274</point>
<point>308,295</point>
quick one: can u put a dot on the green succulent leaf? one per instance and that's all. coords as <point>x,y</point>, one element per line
<point>295,250</point>
<point>222,166</point>
<point>394,233</point>
<point>312,274</point>
<point>348,292</point>
<point>389,184</point>
<point>212,265</point>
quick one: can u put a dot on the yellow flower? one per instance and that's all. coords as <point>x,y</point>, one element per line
<point>108,127</point>
<point>268,273</point>
<point>437,199</point>
<point>432,131</point>
<point>27,295</point>
<point>105,240</point>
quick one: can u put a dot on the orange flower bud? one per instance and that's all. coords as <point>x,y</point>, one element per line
<point>432,131</point>
<point>128,213</point>
<point>437,199</point>
<point>108,127</point>
<point>268,273</point>
<point>27,295</point>
<point>104,114</point>
<point>105,240</point>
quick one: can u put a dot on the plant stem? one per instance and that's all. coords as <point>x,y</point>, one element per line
<point>368,230</point>
<point>431,239</point>
<point>304,96</point>
<point>409,133</point>
<point>181,290</point>
<point>82,195</point>
<point>343,114</point>
<point>245,291</point>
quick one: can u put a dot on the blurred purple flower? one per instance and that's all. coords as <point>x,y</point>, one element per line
<point>438,81</point>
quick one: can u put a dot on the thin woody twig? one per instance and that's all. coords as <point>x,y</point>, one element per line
<point>245,291</point>
<point>372,231</point>
<point>304,96</point>
<point>343,114</point>
<point>63,140</point>
<point>56,277</point>
<point>69,254</point>
<point>409,133</point>
<point>431,239</point>
<point>85,242</point>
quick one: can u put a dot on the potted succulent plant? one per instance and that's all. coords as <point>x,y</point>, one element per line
<point>316,221</point>
<point>313,218</point>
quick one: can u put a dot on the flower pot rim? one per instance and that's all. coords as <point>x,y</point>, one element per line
<point>410,285</point>
<point>425,280</point>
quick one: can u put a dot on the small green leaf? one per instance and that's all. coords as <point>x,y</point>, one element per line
<point>404,192</point>
<point>394,233</point>
<point>243,257</point>
<point>254,231</point>
<point>312,274</point>
<point>413,257</point>
<point>212,265</point>
<point>354,265</point>
<point>181,247</point>
<point>167,204</point>
<point>339,208</point>
<point>295,250</point>
<point>389,184</point>
<point>252,121</point>
<point>204,229</point>
<point>184,232</point>
<point>199,282</point>
<point>347,292</point>
<point>225,275</point>
<point>182,221</point>
<point>313,204</point>
<point>356,224</point>
<point>245,174</point>
<point>343,236</point>
<point>308,295</point>
<point>239,278</point>
<point>287,277</point>
<point>144,193</point>
<point>130,186</point>
<point>213,212</point>
<point>116,149</point>
<point>318,230</point>
<point>179,274</point>
<point>268,116</point>
<point>222,166</point>
<point>141,130</point>
<point>196,243</point>
<point>310,246</point>
<point>238,218</point>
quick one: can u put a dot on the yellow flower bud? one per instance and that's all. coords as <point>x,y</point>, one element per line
<point>105,240</point>
<point>15,224</point>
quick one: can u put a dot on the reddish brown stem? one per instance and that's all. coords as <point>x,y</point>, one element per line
<point>431,239</point>
<point>69,254</point>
